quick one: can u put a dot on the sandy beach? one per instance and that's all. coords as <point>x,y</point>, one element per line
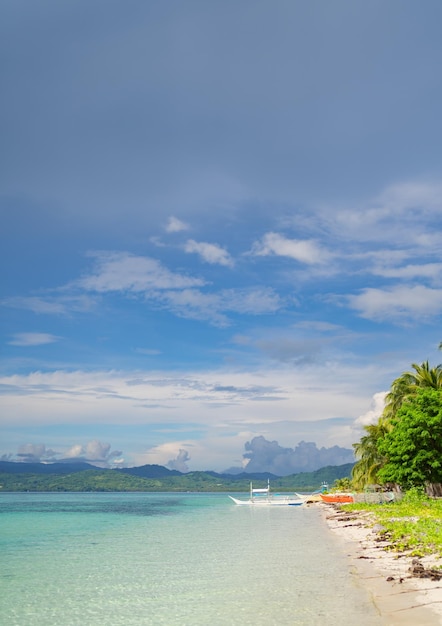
<point>401,596</point>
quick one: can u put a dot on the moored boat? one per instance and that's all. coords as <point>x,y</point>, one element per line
<point>264,497</point>
<point>337,497</point>
<point>315,496</point>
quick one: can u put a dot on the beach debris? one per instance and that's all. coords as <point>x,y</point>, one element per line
<point>419,571</point>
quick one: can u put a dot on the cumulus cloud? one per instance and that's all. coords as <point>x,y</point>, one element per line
<point>400,302</point>
<point>374,412</point>
<point>174,225</point>
<point>180,462</point>
<point>94,452</point>
<point>269,456</point>
<point>304,251</point>
<point>209,252</point>
<point>32,339</point>
<point>35,453</point>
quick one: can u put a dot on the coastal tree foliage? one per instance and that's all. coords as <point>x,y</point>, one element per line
<point>370,458</point>
<point>409,383</point>
<point>413,446</point>
<point>373,451</point>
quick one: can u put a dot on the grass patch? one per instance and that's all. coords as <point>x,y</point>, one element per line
<point>414,524</point>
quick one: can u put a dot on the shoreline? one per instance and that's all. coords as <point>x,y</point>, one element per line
<point>400,597</point>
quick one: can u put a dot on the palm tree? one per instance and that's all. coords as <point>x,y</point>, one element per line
<point>370,461</point>
<point>407,384</point>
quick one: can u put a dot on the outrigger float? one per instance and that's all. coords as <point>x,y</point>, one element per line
<point>264,497</point>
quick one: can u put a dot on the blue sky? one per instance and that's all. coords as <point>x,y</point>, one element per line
<point>220,223</point>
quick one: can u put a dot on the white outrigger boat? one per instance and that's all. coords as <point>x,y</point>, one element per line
<point>264,497</point>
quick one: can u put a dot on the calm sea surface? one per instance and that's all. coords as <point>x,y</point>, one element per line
<point>173,559</point>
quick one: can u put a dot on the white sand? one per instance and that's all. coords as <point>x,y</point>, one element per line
<point>401,600</point>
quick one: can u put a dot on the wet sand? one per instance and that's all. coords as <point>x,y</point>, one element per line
<point>401,598</point>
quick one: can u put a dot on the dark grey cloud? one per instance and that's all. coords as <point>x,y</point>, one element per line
<point>94,452</point>
<point>269,456</point>
<point>180,462</point>
<point>35,453</point>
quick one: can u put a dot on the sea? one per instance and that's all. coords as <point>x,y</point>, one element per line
<point>172,559</point>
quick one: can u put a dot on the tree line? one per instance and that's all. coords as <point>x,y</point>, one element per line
<point>403,449</point>
<point>114,480</point>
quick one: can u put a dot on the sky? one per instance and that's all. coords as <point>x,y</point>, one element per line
<point>220,226</point>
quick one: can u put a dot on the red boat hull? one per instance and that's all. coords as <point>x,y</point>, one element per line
<point>337,497</point>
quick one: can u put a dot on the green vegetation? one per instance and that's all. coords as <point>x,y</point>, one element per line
<point>114,480</point>
<point>404,447</point>
<point>342,484</point>
<point>89,480</point>
<point>413,525</point>
<point>413,446</point>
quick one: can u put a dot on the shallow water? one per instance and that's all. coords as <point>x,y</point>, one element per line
<point>171,559</point>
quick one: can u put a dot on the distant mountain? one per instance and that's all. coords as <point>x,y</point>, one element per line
<point>82,477</point>
<point>143,471</point>
<point>77,477</point>
<point>243,475</point>
<point>149,471</point>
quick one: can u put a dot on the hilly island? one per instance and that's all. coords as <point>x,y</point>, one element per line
<point>83,477</point>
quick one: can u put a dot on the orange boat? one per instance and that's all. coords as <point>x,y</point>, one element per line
<point>337,497</point>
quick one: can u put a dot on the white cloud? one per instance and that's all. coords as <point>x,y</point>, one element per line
<point>374,412</point>
<point>253,301</point>
<point>213,412</point>
<point>400,302</point>
<point>129,274</point>
<point>403,214</point>
<point>174,225</point>
<point>53,305</point>
<point>432,271</point>
<point>74,451</point>
<point>209,252</point>
<point>121,271</point>
<point>304,251</point>
<point>32,339</point>
<point>413,197</point>
<point>95,452</point>
<point>194,304</point>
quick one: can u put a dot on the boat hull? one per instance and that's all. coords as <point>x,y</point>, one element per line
<point>270,501</point>
<point>337,497</point>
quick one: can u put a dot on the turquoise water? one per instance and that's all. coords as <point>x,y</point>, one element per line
<point>171,559</point>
